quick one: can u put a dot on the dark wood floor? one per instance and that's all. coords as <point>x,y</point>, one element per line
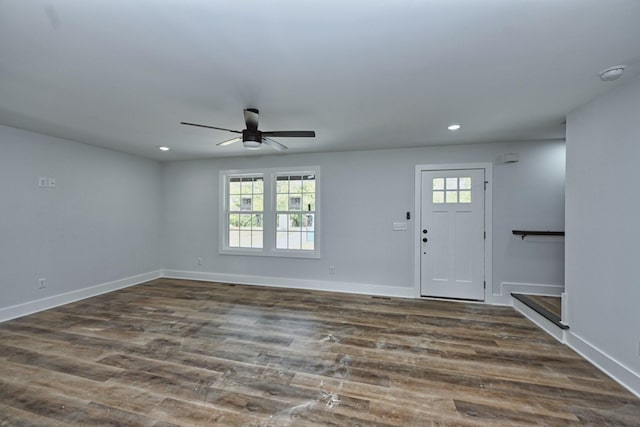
<point>173,352</point>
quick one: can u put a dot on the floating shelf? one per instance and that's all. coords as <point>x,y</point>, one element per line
<point>524,233</point>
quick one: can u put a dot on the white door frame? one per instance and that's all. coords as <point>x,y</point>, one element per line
<point>488,215</point>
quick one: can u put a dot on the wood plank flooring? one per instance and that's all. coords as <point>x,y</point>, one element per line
<point>176,352</point>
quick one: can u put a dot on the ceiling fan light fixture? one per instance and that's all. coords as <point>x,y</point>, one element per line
<point>163,148</point>
<point>454,126</point>
<point>251,144</point>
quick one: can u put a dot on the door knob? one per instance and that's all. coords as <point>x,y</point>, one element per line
<point>425,240</point>
<point>424,231</point>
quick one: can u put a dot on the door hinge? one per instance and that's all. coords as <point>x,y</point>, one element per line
<point>485,235</point>
<point>485,284</point>
<point>485,185</point>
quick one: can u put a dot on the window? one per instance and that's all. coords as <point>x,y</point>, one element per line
<point>452,190</point>
<point>270,212</point>
<point>245,214</point>
<point>295,212</point>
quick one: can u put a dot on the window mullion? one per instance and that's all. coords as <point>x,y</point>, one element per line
<point>269,226</point>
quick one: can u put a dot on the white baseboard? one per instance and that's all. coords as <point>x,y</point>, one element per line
<point>530,288</point>
<point>281,282</point>
<point>620,373</point>
<point>19,310</point>
<point>504,297</point>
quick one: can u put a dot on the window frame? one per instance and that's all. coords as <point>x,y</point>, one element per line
<point>269,229</point>
<point>229,211</point>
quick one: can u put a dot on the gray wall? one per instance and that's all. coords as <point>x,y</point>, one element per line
<point>99,224</point>
<point>113,216</point>
<point>363,193</point>
<point>603,205</point>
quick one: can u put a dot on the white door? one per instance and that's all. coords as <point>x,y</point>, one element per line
<point>452,234</point>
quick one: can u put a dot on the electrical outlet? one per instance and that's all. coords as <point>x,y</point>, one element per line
<point>52,182</point>
<point>42,283</point>
<point>42,181</point>
<point>399,226</point>
<point>199,261</point>
<point>332,269</point>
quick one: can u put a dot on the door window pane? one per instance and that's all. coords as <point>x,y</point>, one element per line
<point>438,197</point>
<point>452,190</point>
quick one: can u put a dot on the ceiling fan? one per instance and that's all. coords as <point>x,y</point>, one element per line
<point>252,138</point>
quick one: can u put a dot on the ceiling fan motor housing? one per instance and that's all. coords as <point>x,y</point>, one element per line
<point>251,139</point>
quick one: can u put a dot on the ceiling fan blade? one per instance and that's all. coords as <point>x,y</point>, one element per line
<point>209,127</point>
<point>274,144</point>
<point>229,141</point>
<point>291,133</point>
<point>251,116</point>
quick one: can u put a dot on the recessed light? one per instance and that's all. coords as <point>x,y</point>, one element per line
<point>454,126</point>
<point>612,73</point>
<point>164,148</point>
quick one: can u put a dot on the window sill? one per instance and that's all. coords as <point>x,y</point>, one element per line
<point>271,253</point>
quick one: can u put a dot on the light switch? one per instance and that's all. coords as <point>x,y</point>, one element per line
<point>399,226</point>
<point>52,182</point>
<point>42,181</point>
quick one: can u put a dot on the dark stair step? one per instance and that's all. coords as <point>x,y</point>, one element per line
<point>552,317</point>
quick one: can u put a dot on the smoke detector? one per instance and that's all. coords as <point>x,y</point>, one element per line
<point>612,73</point>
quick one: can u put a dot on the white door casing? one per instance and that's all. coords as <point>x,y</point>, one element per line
<point>451,249</point>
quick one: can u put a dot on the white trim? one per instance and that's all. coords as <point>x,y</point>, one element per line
<point>488,220</point>
<point>531,288</point>
<point>564,308</point>
<point>281,282</point>
<point>30,307</point>
<point>607,364</point>
<point>269,233</point>
<point>506,288</point>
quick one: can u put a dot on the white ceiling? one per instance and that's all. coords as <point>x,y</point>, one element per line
<point>363,74</point>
